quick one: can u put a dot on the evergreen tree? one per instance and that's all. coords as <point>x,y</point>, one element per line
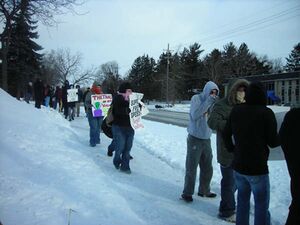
<point>142,76</point>
<point>23,59</point>
<point>229,56</point>
<point>213,66</point>
<point>192,69</point>
<point>293,61</point>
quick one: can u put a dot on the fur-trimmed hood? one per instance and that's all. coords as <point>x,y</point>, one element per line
<point>232,89</point>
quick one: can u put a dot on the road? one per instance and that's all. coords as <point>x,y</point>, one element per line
<point>176,118</point>
<point>181,119</point>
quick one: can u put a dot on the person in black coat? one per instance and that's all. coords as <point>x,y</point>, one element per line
<point>65,98</point>
<point>289,135</point>
<point>253,128</point>
<point>123,133</point>
<point>38,93</point>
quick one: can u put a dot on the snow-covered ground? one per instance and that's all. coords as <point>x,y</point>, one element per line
<point>50,176</point>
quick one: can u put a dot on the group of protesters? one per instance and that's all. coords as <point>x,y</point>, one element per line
<point>245,127</point>
<point>54,97</point>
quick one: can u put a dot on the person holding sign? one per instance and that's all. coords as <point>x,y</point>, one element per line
<point>95,117</point>
<point>123,133</point>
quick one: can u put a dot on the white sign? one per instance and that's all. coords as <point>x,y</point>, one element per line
<point>101,104</point>
<point>72,95</point>
<point>138,109</point>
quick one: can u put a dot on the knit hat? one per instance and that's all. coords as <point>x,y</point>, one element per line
<point>124,86</point>
<point>96,83</point>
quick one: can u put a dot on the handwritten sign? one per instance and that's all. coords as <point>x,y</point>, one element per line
<point>138,109</point>
<point>72,95</point>
<point>101,104</point>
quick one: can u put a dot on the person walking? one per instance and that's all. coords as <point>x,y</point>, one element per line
<point>29,92</point>
<point>94,122</point>
<point>65,98</point>
<point>122,131</point>
<point>253,128</point>
<point>217,121</point>
<point>71,106</point>
<point>289,135</point>
<point>78,103</point>
<point>38,93</point>
<point>199,152</point>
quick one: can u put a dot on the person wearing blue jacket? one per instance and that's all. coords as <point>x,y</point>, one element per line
<point>199,152</point>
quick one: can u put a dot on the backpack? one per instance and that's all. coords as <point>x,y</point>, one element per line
<point>110,117</point>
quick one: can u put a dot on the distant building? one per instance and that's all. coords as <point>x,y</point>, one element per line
<point>282,88</point>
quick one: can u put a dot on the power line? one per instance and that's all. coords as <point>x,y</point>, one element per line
<point>247,26</point>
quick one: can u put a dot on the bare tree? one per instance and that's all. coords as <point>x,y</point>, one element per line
<point>277,65</point>
<point>109,75</point>
<point>62,65</point>
<point>42,10</point>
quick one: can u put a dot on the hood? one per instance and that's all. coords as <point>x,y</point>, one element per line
<point>233,86</point>
<point>256,94</point>
<point>208,87</point>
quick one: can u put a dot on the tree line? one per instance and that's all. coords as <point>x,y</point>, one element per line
<point>173,76</point>
<point>188,70</point>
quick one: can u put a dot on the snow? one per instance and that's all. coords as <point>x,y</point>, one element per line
<point>50,176</point>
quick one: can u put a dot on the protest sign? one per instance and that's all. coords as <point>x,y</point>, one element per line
<point>72,95</point>
<point>138,109</point>
<point>100,104</point>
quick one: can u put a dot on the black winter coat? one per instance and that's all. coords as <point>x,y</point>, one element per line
<point>254,128</point>
<point>121,111</point>
<point>289,135</point>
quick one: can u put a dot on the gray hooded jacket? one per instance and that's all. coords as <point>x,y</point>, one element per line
<point>199,110</point>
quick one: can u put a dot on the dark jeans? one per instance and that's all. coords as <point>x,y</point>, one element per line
<point>95,126</point>
<point>111,147</point>
<point>294,212</point>
<point>122,142</point>
<point>260,187</point>
<point>228,188</point>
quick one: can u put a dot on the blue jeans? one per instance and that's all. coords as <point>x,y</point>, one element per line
<point>111,147</point>
<point>260,187</point>
<point>122,142</point>
<point>47,100</point>
<point>228,188</point>
<point>95,126</point>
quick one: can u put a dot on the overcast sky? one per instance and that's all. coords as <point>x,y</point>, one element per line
<point>122,30</point>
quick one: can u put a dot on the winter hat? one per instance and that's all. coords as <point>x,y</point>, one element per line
<point>96,83</point>
<point>124,86</point>
<point>256,94</point>
<point>96,88</point>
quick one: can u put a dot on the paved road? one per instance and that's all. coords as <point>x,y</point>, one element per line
<point>176,118</point>
<point>181,119</point>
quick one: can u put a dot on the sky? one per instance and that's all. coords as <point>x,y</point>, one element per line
<point>121,31</point>
<point>49,174</point>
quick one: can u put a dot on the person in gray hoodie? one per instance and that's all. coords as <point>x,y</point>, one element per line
<point>217,121</point>
<point>199,152</point>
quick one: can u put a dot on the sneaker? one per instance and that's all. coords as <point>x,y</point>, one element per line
<point>187,198</point>
<point>109,152</point>
<point>231,219</point>
<point>209,195</point>
<point>92,145</point>
<point>126,171</point>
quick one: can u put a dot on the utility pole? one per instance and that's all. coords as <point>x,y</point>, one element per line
<point>168,65</point>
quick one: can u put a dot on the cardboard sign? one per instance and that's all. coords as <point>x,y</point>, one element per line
<point>138,109</point>
<point>72,95</point>
<point>101,104</point>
